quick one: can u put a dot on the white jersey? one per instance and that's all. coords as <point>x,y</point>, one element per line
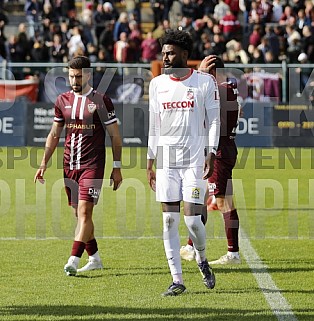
<point>184,119</point>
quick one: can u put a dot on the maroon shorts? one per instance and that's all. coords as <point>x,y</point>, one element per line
<point>220,183</point>
<point>83,184</point>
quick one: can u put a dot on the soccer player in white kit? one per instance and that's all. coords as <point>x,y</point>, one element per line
<point>184,116</point>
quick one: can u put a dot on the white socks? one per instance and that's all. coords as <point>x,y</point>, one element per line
<point>197,234</point>
<point>171,239</point>
<point>74,259</point>
<point>233,254</point>
<point>95,257</point>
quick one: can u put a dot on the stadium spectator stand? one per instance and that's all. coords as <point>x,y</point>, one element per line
<point>233,19</point>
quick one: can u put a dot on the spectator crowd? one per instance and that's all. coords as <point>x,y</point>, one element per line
<point>240,31</point>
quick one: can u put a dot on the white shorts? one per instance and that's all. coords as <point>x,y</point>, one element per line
<point>177,184</point>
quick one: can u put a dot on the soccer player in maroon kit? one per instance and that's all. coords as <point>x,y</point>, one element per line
<point>220,183</point>
<point>86,115</point>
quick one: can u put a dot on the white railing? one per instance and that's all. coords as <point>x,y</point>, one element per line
<point>281,68</point>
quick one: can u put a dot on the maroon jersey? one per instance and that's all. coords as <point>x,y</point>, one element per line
<point>85,118</point>
<point>229,113</point>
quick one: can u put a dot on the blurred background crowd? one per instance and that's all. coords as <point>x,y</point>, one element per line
<point>241,31</point>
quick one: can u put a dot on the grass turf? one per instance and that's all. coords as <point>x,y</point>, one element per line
<point>275,209</point>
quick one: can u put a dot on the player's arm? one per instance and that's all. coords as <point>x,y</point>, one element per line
<point>50,146</point>
<point>151,175</point>
<point>207,65</point>
<point>212,102</point>
<point>116,143</point>
<point>153,137</point>
<point>108,117</point>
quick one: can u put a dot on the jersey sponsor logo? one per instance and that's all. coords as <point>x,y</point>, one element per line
<point>94,192</point>
<point>196,193</point>
<point>80,126</point>
<point>91,108</point>
<point>178,104</point>
<point>68,106</point>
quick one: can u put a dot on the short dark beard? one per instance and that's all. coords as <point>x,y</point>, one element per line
<point>178,71</point>
<point>78,91</point>
<point>81,88</point>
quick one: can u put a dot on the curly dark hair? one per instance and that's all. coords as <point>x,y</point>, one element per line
<point>79,62</point>
<point>178,38</point>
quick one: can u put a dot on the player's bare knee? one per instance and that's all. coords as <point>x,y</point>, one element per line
<point>84,216</point>
<point>221,204</point>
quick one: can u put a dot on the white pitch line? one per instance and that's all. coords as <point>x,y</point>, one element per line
<point>52,238</point>
<point>279,305</point>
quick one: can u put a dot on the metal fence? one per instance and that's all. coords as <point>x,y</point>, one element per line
<point>275,82</point>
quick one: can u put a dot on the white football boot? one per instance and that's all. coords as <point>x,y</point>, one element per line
<point>70,268</point>
<point>92,264</point>
<point>227,259</point>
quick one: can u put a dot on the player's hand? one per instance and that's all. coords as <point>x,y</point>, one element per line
<point>40,174</point>
<point>116,178</point>
<point>209,165</point>
<point>151,178</point>
<point>207,64</point>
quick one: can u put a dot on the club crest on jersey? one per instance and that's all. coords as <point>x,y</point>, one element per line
<point>196,192</point>
<point>190,94</point>
<point>91,108</point>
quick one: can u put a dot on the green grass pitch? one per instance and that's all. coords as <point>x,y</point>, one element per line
<point>274,196</point>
